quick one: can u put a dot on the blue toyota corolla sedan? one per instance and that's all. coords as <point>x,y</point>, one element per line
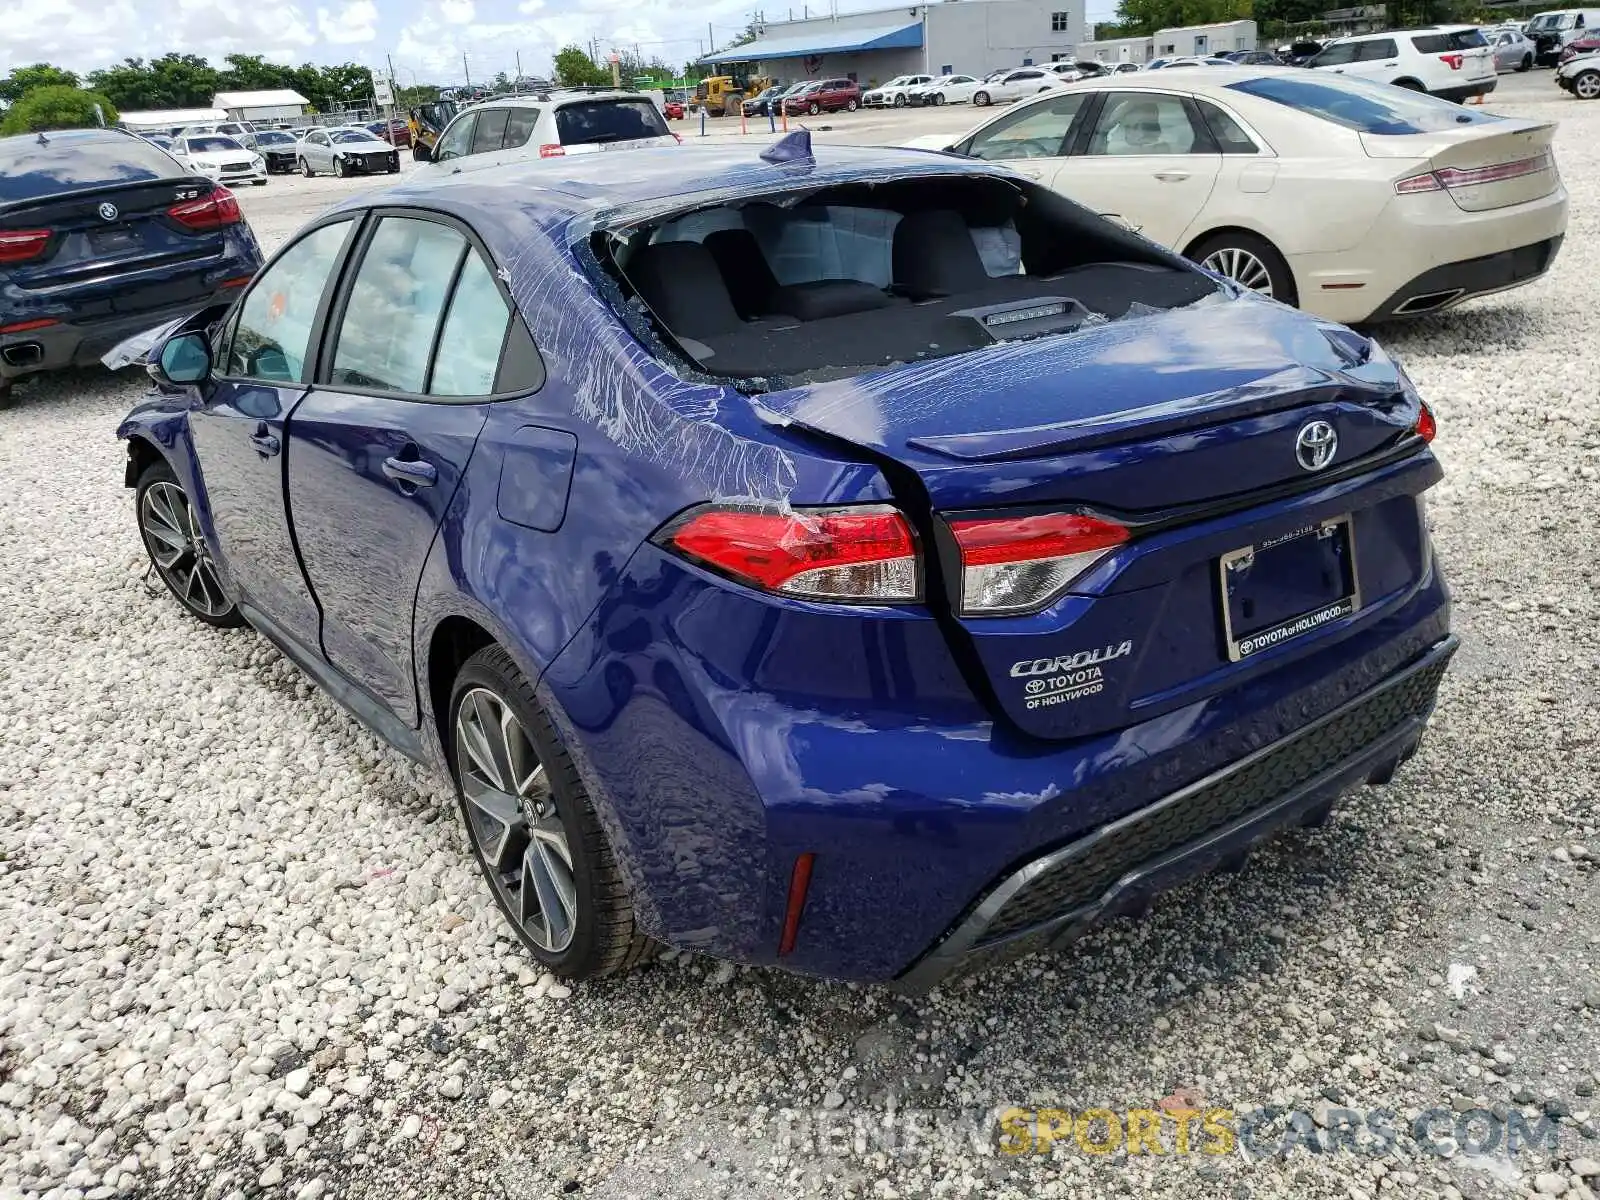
<point>860,561</point>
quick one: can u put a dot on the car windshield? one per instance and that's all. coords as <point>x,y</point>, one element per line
<point>833,282</point>
<point>1546,21</point>
<point>273,138</point>
<point>594,122</point>
<point>213,143</point>
<point>345,136</point>
<point>1365,107</point>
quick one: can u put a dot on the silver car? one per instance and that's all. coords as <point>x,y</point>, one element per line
<point>1511,48</point>
<point>345,151</point>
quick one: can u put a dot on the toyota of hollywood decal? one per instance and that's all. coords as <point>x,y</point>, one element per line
<point>1064,678</point>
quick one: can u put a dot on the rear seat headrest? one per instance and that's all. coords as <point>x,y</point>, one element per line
<point>934,254</point>
<point>681,284</point>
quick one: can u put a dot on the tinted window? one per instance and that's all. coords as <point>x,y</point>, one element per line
<point>1230,138</point>
<point>1336,55</point>
<point>1460,39</point>
<point>274,139</point>
<point>29,170</point>
<point>457,140</point>
<point>1132,123</point>
<point>211,145</point>
<point>1377,51</point>
<point>274,324</point>
<point>519,127</point>
<point>594,122</point>
<point>1038,131</point>
<point>394,305</point>
<point>491,129</point>
<point>474,331</point>
<point>345,136</point>
<point>1368,107</point>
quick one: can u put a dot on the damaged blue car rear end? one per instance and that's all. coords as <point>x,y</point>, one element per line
<point>908,568</point>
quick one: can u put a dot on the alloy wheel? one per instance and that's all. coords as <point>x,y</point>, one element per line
<point>1587,86</point>
<point>179,550</point>
<point>513,819</point>
<point>1242,267</point>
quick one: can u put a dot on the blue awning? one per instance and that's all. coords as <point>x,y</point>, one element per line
<point>822,41</point>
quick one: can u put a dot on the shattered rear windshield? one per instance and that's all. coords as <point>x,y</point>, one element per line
<point>833,282</point>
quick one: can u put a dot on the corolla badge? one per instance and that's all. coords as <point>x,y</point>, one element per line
<point>109,211</point>
<point>1315,445</point>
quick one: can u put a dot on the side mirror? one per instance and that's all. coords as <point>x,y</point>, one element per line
<point>422,152</point>
<point>184,358</point>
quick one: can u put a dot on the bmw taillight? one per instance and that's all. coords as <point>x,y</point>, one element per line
<point>22,245</point>
<point>552,151</point>
<point>862,555</point>
<point>214,211</point>
<point>1019,564</point>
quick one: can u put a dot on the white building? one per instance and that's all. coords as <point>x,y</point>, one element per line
<point>280,105</point>
<point>164,120</point>
<point>1179,42</point>
<point>973,37</point>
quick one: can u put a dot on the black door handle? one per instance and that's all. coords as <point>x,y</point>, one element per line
<point>410,471</point>
<point>266,445</point>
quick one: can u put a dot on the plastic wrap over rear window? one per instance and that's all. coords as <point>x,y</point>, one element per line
<point>1362,106</point>
<point>32,170</point>
<point>595,122</point>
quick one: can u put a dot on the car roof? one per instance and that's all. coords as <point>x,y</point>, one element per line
<point>1156,81</point>
<point>556,96</point>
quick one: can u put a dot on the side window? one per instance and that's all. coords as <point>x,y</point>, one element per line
<point>1038,131</point>
<point>519,127</point>
<point>474,332</point>
<point>1132,123</point>
<point>273,328</point>
<point>1336,55</point>
<point>491,129</point>
<point>1231,138</point>
<point>1378,50</point>
<point>457,139</point>
<point>386,330</point>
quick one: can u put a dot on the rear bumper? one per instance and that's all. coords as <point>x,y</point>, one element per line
<point>1468,90</point>
<point>82,343</point>
<point>1448,285</point>
<point>1215,820</point>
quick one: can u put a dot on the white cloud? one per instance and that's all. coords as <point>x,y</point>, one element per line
<point>530,6</point>
<point>457,12</point>
<point>357,22</point>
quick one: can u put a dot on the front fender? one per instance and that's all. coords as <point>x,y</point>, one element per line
<point>159,423</point>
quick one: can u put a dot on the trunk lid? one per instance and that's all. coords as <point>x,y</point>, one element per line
<point>1483,166</point>
<point>1185,427</point>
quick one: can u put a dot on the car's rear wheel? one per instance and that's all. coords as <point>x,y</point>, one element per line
<point>305,169</point>
<point>851,105</point>
<point>1410,85</point>
<point>177,548</point>
<point>1248,260</point>
<point>980,98</point>
<point>1587,86</point>
<point>532,827</point>
<point>1526,64</point>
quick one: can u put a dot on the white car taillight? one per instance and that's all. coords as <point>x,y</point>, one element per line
<point>864,555</point>
<point>1019,564</point>
<point>1461,177</point>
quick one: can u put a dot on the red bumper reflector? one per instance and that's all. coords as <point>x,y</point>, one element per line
<point>799,884</point>
<point>24,326</point>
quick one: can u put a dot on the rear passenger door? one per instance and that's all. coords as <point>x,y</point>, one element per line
<point>376,450</point>
<point>1146,157</point>
<point>1377,59</point>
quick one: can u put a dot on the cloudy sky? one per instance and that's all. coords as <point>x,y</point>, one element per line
<point>426,38</point>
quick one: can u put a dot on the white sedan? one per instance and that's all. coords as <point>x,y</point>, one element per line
<point>1355,200</point>
<point>218,156</point>
<point>947,89</point>
<point>1015,85</point>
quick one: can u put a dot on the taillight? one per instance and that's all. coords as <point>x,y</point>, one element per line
<point>1426,182</point>
<point>22,245</point>
<point>214,211</point>
<point>864,555</point>
<point>1017,564</point>
<point>1426,426</point>
<point>1460,177</point>
<point>552,151</point>
<point>1453,61</point>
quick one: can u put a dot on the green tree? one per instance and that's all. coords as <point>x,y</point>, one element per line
<point>574,68</point>
<point>56,106</point>
<point>252,73</point>
<point>410,97</point>
<point>171,81</point>
<point>1140,18</point>
<point>24,79</point>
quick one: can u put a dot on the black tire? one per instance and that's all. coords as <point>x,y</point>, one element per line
<point>1525,65</point>
<point>340,169</point>
<point>900,101</point>
<point>1410,85</point>
<point>227,617</point>
<point>938,98</point>
<point>852,105</point>
<point>605,939</point>
<point>814,108</point>
<point>1586,85</point>
<point>1263,251</point>
<point>980,99</point>
<point>305,169</point>
<point>416,152</point>
<point>258,183</point>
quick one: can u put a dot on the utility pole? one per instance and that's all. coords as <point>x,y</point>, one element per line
<point>464,68</point>
<point>711,39</point>
<point>516,87</point>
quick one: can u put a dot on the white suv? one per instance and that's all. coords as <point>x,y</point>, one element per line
<point>1454,62</point>
<point>893,93</point>
<point>554,124</point>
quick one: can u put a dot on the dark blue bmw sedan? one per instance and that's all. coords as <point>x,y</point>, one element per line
<point>102,234</point>
<point>860,561</point>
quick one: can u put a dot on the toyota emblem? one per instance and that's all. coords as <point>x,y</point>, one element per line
<point>1315,445</point>
<point>108,211</point>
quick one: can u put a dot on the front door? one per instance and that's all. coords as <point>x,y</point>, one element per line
<point>262,371</point>
<point>1032,140</point>
<point>378,448</point>
<point>1148,159</point>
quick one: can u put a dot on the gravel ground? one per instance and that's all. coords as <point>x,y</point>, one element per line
<point>242,951</point>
